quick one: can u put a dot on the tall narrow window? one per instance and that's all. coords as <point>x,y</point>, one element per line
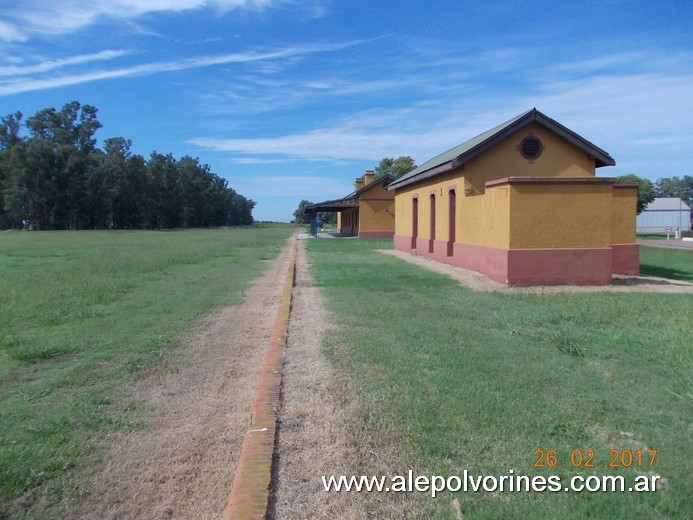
<point>452,220</point>
<point>415,222</point>
<point>432,234</point>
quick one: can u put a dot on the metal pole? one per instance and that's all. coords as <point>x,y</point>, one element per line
<point>314,224</point>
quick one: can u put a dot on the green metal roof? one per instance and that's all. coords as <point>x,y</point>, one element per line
<point>468,150</point>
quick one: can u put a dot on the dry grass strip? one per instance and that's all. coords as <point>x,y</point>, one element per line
<point>195,415</point>
<point>251,484</point>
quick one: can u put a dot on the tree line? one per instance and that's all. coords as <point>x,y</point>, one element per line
<point>53,176</point>
<point>678,187</point>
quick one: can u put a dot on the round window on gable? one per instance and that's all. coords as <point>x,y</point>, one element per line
<point>531,147</point>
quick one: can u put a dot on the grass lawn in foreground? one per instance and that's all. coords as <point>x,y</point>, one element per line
<point>448,379</point>
<point>85,314</point>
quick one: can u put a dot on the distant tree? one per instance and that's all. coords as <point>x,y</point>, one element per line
<point>327,217</point>
<point>239,209</point>
<point>10,148</point>
<point>676,187</point>
<point>646,191</point>
<point>57,178</point>
<point>10,126</point>
<point>28,194</point>
<point>118,189</point>
<point>166,192</point>
<point>299,216</point>
<point>65,142</point>
<point>396,167</point>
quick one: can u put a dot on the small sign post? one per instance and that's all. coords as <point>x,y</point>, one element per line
<point>668,229</point>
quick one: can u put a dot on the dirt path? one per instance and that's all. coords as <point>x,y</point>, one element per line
<point>182,463</point>
<point>313,438</point>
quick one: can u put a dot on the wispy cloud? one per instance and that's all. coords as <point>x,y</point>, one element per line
<point>49,17</point>
<point>24,84</point>
<point>53,64</point>
<point>11,33</point>
<point>642,118</point>
<point>255,94</point>
<point>330,144</point>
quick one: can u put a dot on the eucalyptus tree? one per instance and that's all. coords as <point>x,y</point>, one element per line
<point>58,158</point>
<point>53,176</point>
<point>396,167</point>
<point>681,187</point>
<point>10,144</point>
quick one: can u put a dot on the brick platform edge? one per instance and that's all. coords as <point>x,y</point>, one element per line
<point>251,484</point>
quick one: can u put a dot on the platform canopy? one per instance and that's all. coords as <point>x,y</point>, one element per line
<point>350,201</point>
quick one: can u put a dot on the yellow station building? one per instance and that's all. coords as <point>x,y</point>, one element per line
<point>521,204</point>
<point>368,211</point>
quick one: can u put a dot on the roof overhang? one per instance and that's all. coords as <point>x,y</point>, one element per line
<point>332,205</point>
<point>350,201</point>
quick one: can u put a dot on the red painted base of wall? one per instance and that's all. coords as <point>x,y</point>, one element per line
<point>440,251</point>
<point>527,267</point>
<point>376,234</point>
<point>402,243</point>
<point>626,259</point>
<point>491,261</point>
<point>421,246</point>
<point>559,266</point>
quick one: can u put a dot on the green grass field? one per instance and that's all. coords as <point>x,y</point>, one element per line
<point>654,236</point>
<point>85,314</point>
<point>676,264</point>
<point>447,379</point>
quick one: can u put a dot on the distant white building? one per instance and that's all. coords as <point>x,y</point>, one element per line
<point>664,212</point>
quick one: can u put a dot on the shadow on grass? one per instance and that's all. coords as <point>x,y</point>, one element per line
<point>666,272</point>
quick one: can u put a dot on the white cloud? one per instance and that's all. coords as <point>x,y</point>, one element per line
<point>50,17</point>
<point>23,84</point>
<point>642,120</point>
<point>622,108</point>
<point>10,33</point>
<point>334,144</point>
<point>53,64</point>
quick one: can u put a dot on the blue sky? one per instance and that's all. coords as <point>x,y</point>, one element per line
<point>293,99</point>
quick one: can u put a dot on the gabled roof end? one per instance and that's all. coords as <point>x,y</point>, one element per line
<point>458,156</point>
